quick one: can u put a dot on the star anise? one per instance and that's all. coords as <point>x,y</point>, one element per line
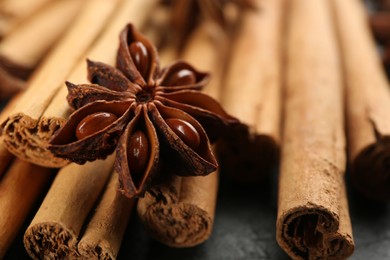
<point>146,113</point>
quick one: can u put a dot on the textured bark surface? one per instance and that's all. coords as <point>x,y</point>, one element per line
<point>313,220</point>
<point>20,188</point>
<point>252,93</point>
<point>367,102</point>
<point>103,235</point>
<point>55,229</point>
<point>23,134</point>
<point>180,212</point>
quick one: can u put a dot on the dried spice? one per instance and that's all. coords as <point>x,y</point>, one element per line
<point>149,115</point>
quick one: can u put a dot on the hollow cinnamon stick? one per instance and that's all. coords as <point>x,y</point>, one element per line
<point>21,50</point>
<point>179,212</point>
<point>21,132</point>
<point>367,102</point>
<point>54,231</point>
<point>252,93</point>
<point>12,13</point>
<point>57,109</point>
<point>312,220</point>
<point>20,187</point>
<point>104,232</point>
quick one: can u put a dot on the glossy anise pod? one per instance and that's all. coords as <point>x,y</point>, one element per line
<point>145,113</point>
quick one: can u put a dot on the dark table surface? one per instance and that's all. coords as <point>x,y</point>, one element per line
<point>245,229</point>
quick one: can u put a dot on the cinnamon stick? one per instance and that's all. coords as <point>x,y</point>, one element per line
<point>54,231</point>
<point>104,232</point>
<point>21,132</point>
<point>20,188</point>
<point>367,102</point>
<point>312,219</point>
<point>57,109</point>
<point>179,211</point>
<point>21,50</point>
<point>12,13</point>
<point>252,93</point>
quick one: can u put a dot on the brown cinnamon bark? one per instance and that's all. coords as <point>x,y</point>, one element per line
<point>312,219</point>
<point>367,102</point>
<point>37,130</point>
<point>54,231</point>
<point>20,188</point>
<point>22,134</point>
<point>104,232</point>
<point>252,93</point>
<point>179,211</point>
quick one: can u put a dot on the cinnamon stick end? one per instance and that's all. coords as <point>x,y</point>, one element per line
<point>371,170</point>
<point>247,157</point>
<point>27,139</point>
<point>49,240</point>
<point>95,251</point>
<point>313,233</point>
<point>172,222</point>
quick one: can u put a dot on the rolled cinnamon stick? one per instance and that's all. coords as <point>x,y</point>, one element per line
<point>367,102</point>
<point>312,219</point>
<point>252,93</point>
<point>179,211</point>
<point>20,188</point>
<point>104,233</point>
<point>21,50</point>
<point>54,231</point>
<point>39,129</point>
<point>21,131</point>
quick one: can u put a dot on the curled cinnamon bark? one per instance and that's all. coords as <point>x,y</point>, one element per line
<point>367,102</point>
<point>54,231</point>
<point>22,133</point>
<point>105,230</point>
<point>179,211</point>
<point>20,188</point>
<point>312,219</point>
<point>252,93</point>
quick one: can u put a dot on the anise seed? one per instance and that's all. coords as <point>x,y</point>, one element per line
<point>138,152</point>
<point>181,77</point>
<point>185,131</point>
<point>140,56</point>
<point>94,123</point>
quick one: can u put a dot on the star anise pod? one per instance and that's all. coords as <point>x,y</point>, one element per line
<point>146,113</point>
